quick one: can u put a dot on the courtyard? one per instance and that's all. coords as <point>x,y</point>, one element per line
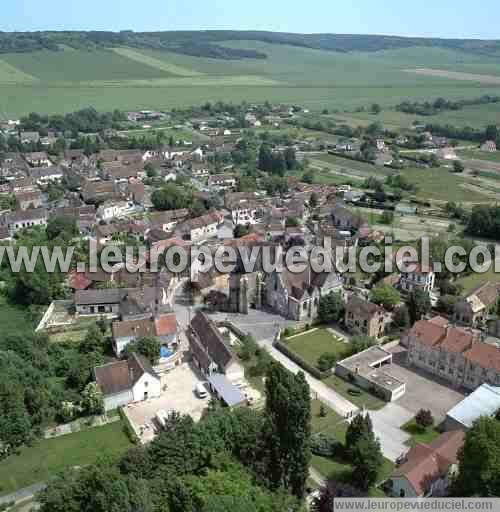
<point>179,396</point>
<point>423,391</point>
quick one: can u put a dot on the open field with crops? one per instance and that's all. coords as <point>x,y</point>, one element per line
<point>61,81</point>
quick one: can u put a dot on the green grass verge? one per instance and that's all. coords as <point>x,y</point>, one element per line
<point>419,434</point>
<point>363,399</point>
<point>50,456</point>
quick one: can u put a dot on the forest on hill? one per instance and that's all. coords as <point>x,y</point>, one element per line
<point>208,43</point>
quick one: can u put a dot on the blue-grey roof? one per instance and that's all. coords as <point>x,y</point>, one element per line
<point>485,401</point>
<point>229,393</point>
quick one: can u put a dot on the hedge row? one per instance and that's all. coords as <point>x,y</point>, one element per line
<point>318,374</point>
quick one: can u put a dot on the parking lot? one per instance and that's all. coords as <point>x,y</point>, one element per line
<point>423,391</point>
<point>179,396</point>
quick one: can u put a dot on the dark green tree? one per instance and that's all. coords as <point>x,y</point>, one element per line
<point>331,308</point>
<point>479,461</point>
<point>287,430</point>
<point>419,304</point>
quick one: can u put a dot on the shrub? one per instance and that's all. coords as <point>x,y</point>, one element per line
<point>326,361</point>
<point>325,446</point>
<point>424,418</point>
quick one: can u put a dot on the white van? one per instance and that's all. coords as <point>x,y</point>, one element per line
<point>201,390</point>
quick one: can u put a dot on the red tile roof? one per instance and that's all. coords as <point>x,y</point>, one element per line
<point>166,325</point>
<point>428,333</point>
<point>487,356</point>
<point>427,463</point>
<point>79,281</point>
<point>457,340</point>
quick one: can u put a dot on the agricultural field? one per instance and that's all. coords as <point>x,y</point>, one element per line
<point>126,78</point>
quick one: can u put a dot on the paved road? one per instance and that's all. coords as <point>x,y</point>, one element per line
<point>22,494</point>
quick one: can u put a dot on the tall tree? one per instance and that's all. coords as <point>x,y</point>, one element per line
<point>479,460</point>
<point>366,458</point>
<point>419,304</point>
<point>361,426</point>
<point>287,430</point>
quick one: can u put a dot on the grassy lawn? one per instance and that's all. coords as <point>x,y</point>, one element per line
<point>332,424</point>
<point>364,399</point>
<point>419,434</point>
<point>50,456</point>
<point>474,280</point>
<point>311,346</point>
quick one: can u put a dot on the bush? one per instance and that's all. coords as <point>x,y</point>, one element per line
<point>325,446</point>
<point>326,361</point>
<point>424,418</point>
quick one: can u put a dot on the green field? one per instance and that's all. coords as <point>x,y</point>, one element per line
<point>48,457</point>
<point>480,155</point>
<point>312,346</point>
<point>62,81</point>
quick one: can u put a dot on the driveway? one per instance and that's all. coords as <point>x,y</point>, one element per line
<point>386,425</point>
<point>179,396</point>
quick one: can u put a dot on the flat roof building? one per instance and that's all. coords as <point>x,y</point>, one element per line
<point>370,370</point>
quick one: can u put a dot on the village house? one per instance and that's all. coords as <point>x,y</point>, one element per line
<point>199,169</point>
<point>27,200</point>
<point>29,137</point>
<point>114,209</point>
<point>365,318</point>
<point>201,228</point>
<point>166,221</point>
<point>473,310</point>
<point>455,354</point>
<point>129,303</point>
<point>21,219</point>
<point>428,469</point>
<point>126,382</point>
<point>163,327</point>
<point>490,146</point>
<point>93,191</point>
<point>210,352</point>
<point>38,159</point>
<point>222,181</point>
<point>45,175</point>
<point>418,279</point>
